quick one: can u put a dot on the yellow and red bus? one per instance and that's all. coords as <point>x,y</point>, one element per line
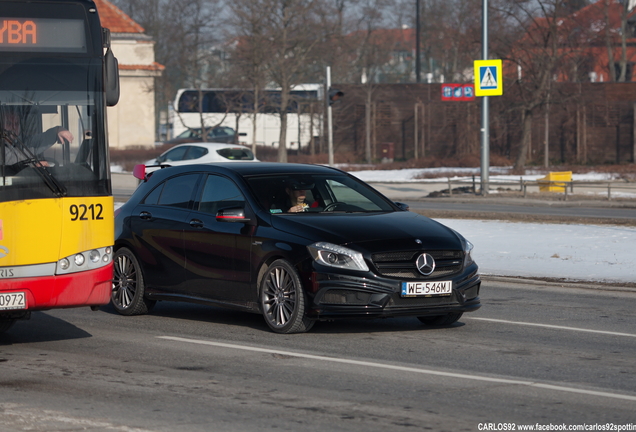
<point>57,75</point>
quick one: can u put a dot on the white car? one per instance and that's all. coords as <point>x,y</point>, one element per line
<point>203,152</point>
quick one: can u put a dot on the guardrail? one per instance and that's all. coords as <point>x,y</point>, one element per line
<point>568,186</point>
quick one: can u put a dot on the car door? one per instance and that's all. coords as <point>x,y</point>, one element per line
<point>158,224</point>
<point>217,252</point>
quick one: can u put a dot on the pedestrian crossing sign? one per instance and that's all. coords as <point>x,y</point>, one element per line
<point>488,78</point>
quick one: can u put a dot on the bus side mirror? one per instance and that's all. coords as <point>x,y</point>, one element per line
<point>112,78</point>
<point>111,72</point>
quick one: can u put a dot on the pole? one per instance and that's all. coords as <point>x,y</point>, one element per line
<point>485,123</point>
<point>418,66</point>
<point>329,118</point>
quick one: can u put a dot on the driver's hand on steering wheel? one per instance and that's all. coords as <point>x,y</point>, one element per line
<point>64,135</point>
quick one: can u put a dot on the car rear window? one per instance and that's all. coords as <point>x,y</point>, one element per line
<point>236,153</point>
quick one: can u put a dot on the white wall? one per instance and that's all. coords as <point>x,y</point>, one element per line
<point>131,122</point>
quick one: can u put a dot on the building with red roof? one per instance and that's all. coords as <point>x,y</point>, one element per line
<point>132,121</point>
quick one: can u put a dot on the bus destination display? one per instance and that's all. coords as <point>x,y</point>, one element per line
<point>42,35</point>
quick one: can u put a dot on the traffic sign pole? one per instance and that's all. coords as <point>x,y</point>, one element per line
<point>329,117</point>
<point>485,122</point>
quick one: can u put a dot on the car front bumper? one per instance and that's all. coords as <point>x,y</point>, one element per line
<point>335,295</point>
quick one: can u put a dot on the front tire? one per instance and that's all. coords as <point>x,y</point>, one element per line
<point>283,299</point>
<point>127,295</point>
<point>441,320</point>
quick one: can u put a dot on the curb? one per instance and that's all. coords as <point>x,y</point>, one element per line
<point>559,283</point>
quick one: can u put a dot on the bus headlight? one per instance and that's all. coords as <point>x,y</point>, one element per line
<point>83,261</point>
<point>79,260</point>
<point>94,256</point>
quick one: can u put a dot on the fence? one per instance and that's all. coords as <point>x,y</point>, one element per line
<point>525,185</point>
<point>584,123</point>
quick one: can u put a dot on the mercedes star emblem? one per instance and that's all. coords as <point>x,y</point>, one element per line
<point>425,264</point>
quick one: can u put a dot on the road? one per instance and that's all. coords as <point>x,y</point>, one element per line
<point>533,354</point>
<point>547,205</point>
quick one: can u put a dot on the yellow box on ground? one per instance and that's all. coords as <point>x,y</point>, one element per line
<point>555,181</point>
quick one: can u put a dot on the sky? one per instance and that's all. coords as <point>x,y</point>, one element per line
<point>572,252</point>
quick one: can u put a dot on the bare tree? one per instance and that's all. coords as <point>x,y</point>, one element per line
<point>185,34</point>
<point>545,44</point>
<point>250,53</point>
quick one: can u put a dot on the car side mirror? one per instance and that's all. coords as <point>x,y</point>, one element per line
<point>236,214</point>
<point>402,206</point>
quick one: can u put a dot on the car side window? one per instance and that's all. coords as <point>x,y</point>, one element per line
<point>174,154</point>
<point>220,193</point>
<point>153,197</point>
<point>177,191</point>
<point>195,153</point>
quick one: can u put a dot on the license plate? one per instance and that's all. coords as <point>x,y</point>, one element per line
<point>14,300</point>
<point>438,288</point>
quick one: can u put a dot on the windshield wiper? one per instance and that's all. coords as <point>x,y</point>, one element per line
<point>31,160</point>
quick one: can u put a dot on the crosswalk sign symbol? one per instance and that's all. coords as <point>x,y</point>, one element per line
<point>488,78</point>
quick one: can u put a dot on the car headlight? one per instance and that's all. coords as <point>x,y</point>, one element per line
<point>468,253</point>
<point>333,255</point>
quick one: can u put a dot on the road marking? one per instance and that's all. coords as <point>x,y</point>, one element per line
<point>553,326</point>
<point>404,368</point>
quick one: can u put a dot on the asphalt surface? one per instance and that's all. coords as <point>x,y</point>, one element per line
<point>531,355</point>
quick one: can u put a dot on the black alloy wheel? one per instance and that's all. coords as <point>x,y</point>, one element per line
<point>127,295</point>
<point>283,300</point>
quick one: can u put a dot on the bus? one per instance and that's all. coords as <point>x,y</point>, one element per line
<point>57,75</point>
<point>234,107</point>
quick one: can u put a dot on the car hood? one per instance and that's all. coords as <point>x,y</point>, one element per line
<point>371,232</point>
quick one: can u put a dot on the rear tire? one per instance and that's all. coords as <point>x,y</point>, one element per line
<point>283,299</point>
<point>128,291</point>
<point>441,320</point>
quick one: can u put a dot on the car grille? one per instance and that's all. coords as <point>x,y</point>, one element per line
<point>401,264</point>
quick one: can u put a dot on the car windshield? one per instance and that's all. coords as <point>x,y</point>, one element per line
<point>291,194</point>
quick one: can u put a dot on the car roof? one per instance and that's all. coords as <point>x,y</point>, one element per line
<point>247,169</point>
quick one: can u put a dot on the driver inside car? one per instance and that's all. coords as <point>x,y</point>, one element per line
<point>296,191</point>
<point>19,147</point>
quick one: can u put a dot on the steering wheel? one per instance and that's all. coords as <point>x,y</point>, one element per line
<point>332,206</point>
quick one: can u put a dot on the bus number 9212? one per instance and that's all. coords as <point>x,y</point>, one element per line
<point>83,212</point>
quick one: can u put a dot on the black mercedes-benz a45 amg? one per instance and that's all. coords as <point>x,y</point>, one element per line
<point>296,243</point>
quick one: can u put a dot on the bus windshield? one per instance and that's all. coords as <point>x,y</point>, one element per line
<point>51,141</point>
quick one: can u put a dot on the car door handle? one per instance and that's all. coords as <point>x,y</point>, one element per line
<point>196,223</point>
<point>145,215</point>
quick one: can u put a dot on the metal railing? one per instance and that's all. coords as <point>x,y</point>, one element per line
<point>567,186</point>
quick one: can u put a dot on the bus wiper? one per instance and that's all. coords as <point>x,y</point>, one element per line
<point>31,160</point>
